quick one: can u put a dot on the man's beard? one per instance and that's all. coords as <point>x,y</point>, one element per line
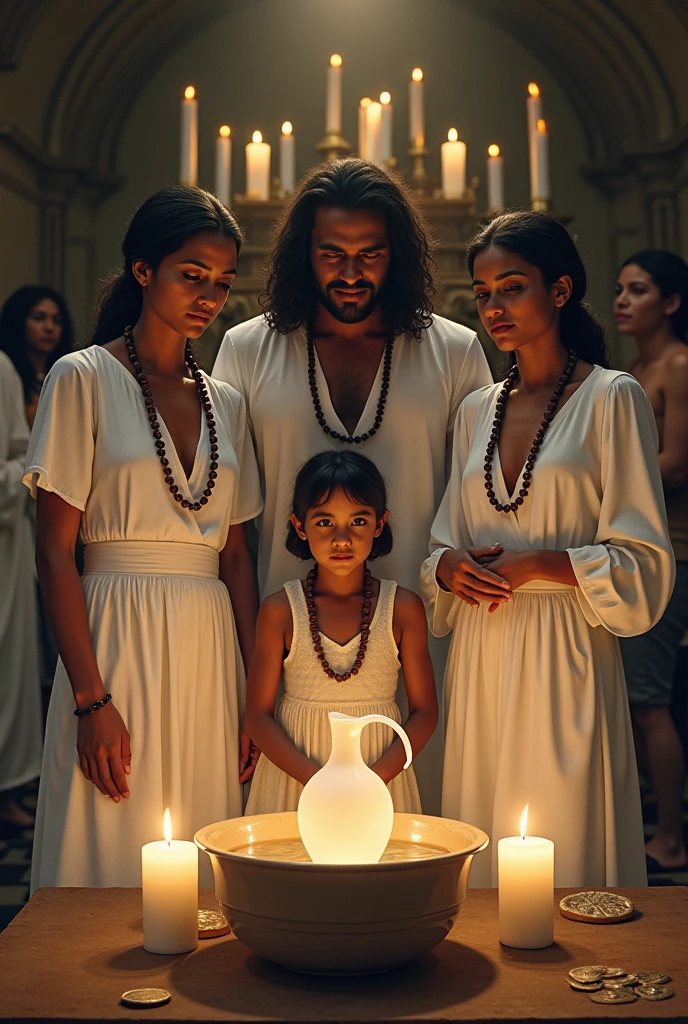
<point>347,312</point>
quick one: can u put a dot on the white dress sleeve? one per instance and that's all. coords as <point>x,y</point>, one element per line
<point>14,438</point>
<point>247,502</point>
<point>626,575</point>
<point>61,450</point>
<point>449,530</point>
<point>227,367</point>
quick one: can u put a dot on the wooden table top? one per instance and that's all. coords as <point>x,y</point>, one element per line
<point>71,953</point>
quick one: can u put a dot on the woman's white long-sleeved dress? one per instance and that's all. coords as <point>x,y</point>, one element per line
<point>20,701</point>
<point>161,621</point>
<point>536,706</point>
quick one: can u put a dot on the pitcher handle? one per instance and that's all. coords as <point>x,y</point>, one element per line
<point>369,719</point>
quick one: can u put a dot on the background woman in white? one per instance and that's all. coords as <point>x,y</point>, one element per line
<point>150,460</point>
<point>558,466</point>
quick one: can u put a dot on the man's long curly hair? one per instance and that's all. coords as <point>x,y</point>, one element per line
<point>406,297</point>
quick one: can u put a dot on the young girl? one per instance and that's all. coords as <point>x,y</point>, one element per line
<point>558,464</point>
<point>339,637</point>
<point>149,460</point>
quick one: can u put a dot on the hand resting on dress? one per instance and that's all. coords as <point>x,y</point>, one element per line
<point>104,749</point>
<point>462,573</point>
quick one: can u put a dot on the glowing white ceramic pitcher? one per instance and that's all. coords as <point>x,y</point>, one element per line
<point>345,812</point>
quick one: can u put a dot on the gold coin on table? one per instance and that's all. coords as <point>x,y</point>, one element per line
<point>596,907</point>
<point>585,986</point>
<point>146,997</point>
<point>614,995</point>
<point>586,973</point>
<point>654,992</point>
<point>628,979</point>
<point>212,924</point>
<point>652,978</point>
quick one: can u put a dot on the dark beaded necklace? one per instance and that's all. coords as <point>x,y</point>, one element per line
<point>382,400</point>
<point>193,506</point>
<point>547,418</point>
<point>315,632</point>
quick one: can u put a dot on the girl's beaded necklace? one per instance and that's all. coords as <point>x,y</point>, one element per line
<point>315,632</point>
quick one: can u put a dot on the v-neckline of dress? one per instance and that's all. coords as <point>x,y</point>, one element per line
<point>497,461</point>
<point>169,443</point>
<point>368,414</point>
<point>354,639</point>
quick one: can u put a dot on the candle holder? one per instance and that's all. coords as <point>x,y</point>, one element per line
<point>541,205</point>
<point>333,147</point>
<point>420,182</point>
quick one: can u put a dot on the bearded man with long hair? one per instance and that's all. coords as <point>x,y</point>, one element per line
<point>348,352</point>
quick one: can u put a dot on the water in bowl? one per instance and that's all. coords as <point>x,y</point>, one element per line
<point>294,850</point>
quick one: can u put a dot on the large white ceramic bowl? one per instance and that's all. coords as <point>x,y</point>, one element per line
<point>340,919</point>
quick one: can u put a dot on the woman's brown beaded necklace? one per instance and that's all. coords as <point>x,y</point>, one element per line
<point>381,402</point>
<point>500,409</point>
<point>315,632</point>
<point>193,506</point>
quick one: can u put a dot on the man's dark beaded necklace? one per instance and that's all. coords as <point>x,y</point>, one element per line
<point>512,377</point>
<point>382,400</point>
<point>315,632</point>
<point>193,506</point>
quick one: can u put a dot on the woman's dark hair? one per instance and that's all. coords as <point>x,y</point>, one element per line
<point>321,476</point>
<point>158,228</point>
<point>13,317</point>
<point>545,243</point>
<point>670,273</point>
<point>406,297</point>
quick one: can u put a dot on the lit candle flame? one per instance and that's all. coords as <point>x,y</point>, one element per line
<point>287,128</point>
<point>366,101</point>
<point>257,137</point>
<point>417,75</point>
<point>533,88</point>
<point>524,821</point>
<point>385,98</point>
<point>225,131</point>
<point>493,150</point>
<point>453,135</point>
<point>542,126</point>
<point>189,92</point>
<point>167,826</point>
<point>336,60</point>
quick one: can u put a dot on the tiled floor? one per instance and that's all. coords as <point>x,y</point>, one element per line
<point>15,865</point>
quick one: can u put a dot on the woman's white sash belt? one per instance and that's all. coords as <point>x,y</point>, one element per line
<point>545,587</point>
<point>151,558</point>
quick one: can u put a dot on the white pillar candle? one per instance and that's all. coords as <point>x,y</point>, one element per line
<point>386,122</point>
<point>223,165</point>
<point>258,168</point>
<point>495,179</point>
<point>526,890</point>
<point>287,158</point>
<point>333,109</point>
<point>416,110</point>
<point>363,149</point>
<point>453,166</point>
<point>539,172</point>
<point>170,894</point>
<point>374,117</point>
<point>188,150</point>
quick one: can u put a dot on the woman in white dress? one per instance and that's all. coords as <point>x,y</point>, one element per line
<point>535,697</point>
<point>150,461</point>
<point>20,704</point>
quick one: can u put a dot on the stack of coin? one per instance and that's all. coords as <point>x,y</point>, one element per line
<point>617,985</point>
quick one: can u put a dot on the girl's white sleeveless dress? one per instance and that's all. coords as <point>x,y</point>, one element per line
<point>310,694</point>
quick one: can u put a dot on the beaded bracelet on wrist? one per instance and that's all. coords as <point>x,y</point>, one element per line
<point>80,712</point>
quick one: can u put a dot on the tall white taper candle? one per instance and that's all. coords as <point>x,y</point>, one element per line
<point>287,158</point>
<point>363,147</point>
<point>223,165</point>
<point>386,128</point>
<point>416,109</point>
<point>188,148</point>
<point>495,179</point>
<point>539,175</point>
<point>333,108</point>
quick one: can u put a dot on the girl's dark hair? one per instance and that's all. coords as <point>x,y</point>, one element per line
<point>545,243</point>
<point>158,228</point>
<point>321,476</point>
<point>670,273</point>
<point>13,317</point>
<point>406,298</point>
